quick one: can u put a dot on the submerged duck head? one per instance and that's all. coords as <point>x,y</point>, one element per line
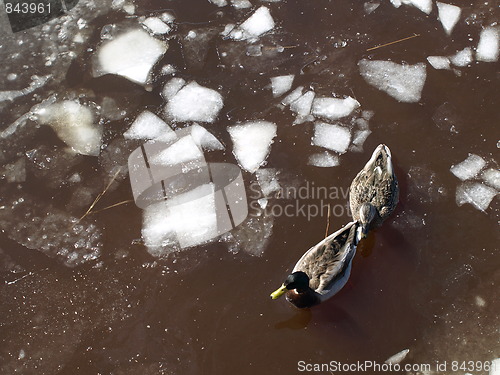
<point>298,281</point>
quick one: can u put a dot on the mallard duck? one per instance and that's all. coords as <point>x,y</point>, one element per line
<point>323,270</point>
<point>374,192</point>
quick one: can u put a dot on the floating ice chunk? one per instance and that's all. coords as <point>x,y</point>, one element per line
<point>492,177</point>
<point>439,62</point>
<point>488,47</point>
<point>332,137</point>
<point>360,137</point>
<point>398,357</point>
<point>74,125</point>
<point>302,107</point>
<point>156,25</point>
<point>262,203</point>
<point>172,87</point>
<point>323,159</point>
<point>268,181</point>
<point>281,84</point>
<point>402,82</point>
<point>186,220</point>
<point>462,58</point>
<point>148,126</point>
<point>396,3</point>
<point>241,4</point>
<point>370,6</point>
<point>167,17</point>
<point>252,143</point>
<point>131,55</point>
<point>424,5</point>
<point>168,69</point>
<point>204,139</point>
<point>182,151</point>
<point>469,168</point>
<point>219,3</point>
<point>258,23</point>
<point>194,103</point>
<point>334,108</point>
<point>294,95</point>
<point>480,301</point>
<point>448,15</point>
<point>476,194</point>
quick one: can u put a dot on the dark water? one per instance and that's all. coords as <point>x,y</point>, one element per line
<point>426,281</point>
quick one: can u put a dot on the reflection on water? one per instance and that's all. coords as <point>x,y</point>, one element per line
<point>82,295</point>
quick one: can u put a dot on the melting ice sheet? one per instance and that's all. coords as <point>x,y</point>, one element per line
<point>75,124</point>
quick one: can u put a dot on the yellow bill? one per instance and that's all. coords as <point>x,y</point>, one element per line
<point>279,292</point>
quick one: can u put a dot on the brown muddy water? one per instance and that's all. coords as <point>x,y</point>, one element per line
<point>88,298</point>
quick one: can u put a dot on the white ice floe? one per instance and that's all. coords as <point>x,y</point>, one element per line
<point>492,177</point>
<point>469,168</point>
<point>219,3</point>
<point>360,137</point>
<point>302,107</point>
<point>268,181</point>
<point>260,22</point>
<point>398,357</point>
<point>323,159</point>
<point>402,82</point>
<point>172,87</point>
<point>183,150</point>
<point>332,137</point>
<point>333,108</point>
<point>370,6</point>
<point>488,47</point>
<point>168,69</point>
<point>396,3</point>
<point>424,5</point>
<point>204,139</point>
<point>281,84</point>
<point>75,125</point>
<point>476,194</point>
<point>448,15</point>
<point>194,103</point>
<point>156,25</point>
<point>439,62</point>
<point>462,58</point>
<point>185,220</point>
<point>131,55</point>
<point>294,95</point>
<point>252,143</point>
<point>148,126</point>
<point>241,4</point>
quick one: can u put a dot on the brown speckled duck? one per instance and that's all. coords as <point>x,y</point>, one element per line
<point>374,192</point>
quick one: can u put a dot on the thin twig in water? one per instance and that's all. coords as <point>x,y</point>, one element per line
<point>396,41</point>
<point>113,205</point>
<point>100,195</point>
<point>327,221</point>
